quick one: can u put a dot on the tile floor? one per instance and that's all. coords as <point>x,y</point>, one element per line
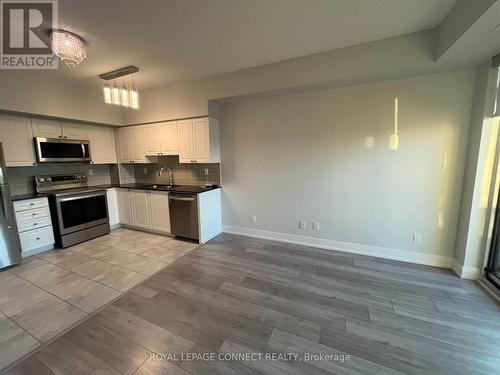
<point>51,292</point>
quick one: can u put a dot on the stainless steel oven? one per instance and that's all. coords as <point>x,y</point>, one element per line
<point>79,212</point>
<point>50,150</point>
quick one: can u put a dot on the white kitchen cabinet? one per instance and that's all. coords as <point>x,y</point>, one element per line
<point>34,226</point>
<point>124,154</point>
<point>198,141</point>
<point>131,145</point>
<point>168,136</point>
<point>141,207</point>
<point>46,128</point>
<point>16,137</point>
<point>55,129</point>
<point>113,212</point>
<point>160,139</point>
<point>160,216</point>
<point>72,130</point>
<point>125,206</point>
<point>136,136</point>
<point>185,140</point>
<point>102,144</point>
<point>152,140</point>
<point>144,209</point>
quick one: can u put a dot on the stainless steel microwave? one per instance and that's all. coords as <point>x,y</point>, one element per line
<point>55,150</point>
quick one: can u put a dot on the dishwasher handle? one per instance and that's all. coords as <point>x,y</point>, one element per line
<point>178,198</point>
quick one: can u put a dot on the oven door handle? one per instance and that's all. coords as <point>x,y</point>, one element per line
<point>75,197</point>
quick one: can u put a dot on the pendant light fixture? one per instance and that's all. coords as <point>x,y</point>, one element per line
<point>126,95</point>
<point>134,96</point>
<point>107,93</point>
<point>115,94</point>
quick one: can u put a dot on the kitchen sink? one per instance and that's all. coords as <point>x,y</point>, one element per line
<point>161,187</point>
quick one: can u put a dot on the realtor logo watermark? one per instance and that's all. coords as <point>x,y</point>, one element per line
<point>25,41</point>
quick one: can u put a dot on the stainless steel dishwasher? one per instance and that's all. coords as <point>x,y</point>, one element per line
<point>183,215</point>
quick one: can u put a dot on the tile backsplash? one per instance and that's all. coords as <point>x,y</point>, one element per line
<point>21,178</point>
<point>184,174</point>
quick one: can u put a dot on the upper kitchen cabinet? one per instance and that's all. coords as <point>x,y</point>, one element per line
<point>123,145</point>
<point>16,137</point>
<point>102,144</point>
<point>198,140</point>
<point>46,128</point>
<point>160,139</point>
<point>56,129</point>
<point>131,145</point>
<point>137,144</point>
<point>74,131</point>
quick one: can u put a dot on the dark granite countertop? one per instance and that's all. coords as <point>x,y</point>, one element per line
<point>20,197</point>
<point>182,189</point>
<point>193,189</point>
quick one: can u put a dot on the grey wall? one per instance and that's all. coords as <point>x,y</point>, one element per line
<point>323,156</point>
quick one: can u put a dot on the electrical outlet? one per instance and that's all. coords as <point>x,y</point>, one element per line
<point>206,171</point>
<point>316,225</point>
<point>91,172</point>
<point>302,224</point>
<point>417,239</point>
<point>253,219</point>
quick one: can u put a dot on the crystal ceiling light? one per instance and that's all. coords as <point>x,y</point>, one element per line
<point>68,46</point>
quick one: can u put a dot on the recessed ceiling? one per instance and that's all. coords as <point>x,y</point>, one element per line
<point>174,40</point>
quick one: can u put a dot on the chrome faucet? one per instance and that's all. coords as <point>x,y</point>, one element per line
<point>171,180</point>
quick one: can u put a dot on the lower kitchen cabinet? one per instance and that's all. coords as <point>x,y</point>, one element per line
<point>141,207</point>
<point>160,215</point>
<point>125,212</point>
<point>144,209</point>
<point>34,226</point>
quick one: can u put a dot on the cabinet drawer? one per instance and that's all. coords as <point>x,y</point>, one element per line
<point>34,239</point>
<point>32,214</point>
<point>40,222</point>
<point>29,204</point>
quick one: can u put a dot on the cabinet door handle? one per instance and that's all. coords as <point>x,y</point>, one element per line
<point>38,238</point>
<point>65,136</point>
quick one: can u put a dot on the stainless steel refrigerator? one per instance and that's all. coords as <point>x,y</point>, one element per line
<point>10,248</point>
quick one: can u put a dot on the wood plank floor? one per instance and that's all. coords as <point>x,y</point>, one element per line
<point>243,295</point>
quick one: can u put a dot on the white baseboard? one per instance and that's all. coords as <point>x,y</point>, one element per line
<point>465,272</point>
<point>355,248</point>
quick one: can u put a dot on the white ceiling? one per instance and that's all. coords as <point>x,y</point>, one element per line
<point>173,40</point>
